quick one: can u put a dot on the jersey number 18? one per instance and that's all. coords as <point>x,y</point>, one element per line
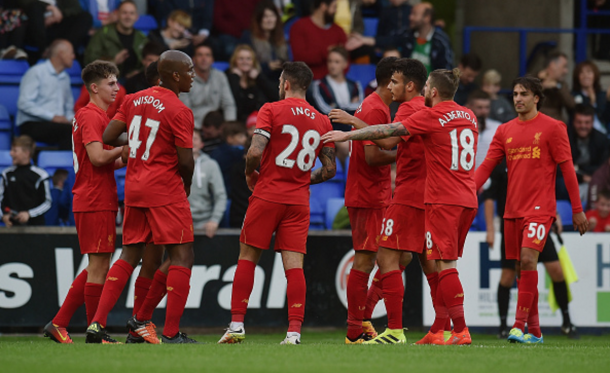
<point>467,143</point>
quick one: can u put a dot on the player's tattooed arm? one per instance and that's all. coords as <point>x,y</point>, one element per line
<point>340,116</point>
<point>329,167</point>
<point>381,131</point>
<point>115,135</point>
<point>253,159</point>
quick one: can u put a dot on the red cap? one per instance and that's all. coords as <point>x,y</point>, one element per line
<point>251,121</point>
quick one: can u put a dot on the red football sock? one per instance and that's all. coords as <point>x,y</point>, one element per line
<point>453,295</point>
<point>373,296</point>
<point>243,282</point>
<point>393,293</point>
<point>178,287</point>
<point>356,302</point>
<point>296,292</point>
<point>141,289</point>
<point>74,299</point>
<point>442,315</point>
<point>155,294</point>
<point>113,287</point>
<point>93,292</point>
<point>528,287</point>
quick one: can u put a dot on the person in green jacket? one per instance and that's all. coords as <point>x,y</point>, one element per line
<point>119,42</point>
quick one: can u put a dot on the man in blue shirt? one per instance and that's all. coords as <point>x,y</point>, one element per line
<point>46,104</point>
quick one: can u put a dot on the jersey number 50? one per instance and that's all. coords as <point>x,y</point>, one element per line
<point>467,143</point>
<point>134,136</point>
<point>310,142</point>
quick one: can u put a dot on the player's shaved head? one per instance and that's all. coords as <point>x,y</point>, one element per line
<point>412,70</point>
<point>446,82</point>
<point>175,68</point>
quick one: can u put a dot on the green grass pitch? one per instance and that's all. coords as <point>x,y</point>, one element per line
<point>319,352</point>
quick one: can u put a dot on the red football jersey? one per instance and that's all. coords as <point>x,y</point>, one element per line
<point>410,160</point>
<point>368,186</point>
<point>602,225</point>
<point>533,149</point>
<point>94,187</point>
<point>293,128</point>
<point>450,137</point>
<point>157,122</point>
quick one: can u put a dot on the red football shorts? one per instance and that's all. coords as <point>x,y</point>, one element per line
<point>366,224</point>
<point>526,232</point>
<point>289,222</point>
<point>164,225</point>
<point>403,228</point>
<point>96,231</point>
<point>446,230</point>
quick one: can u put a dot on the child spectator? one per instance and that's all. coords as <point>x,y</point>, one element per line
<point>599,218</point>
<point>501,109</point>
<point>176,34</point>
<point>57,214</point>
<point>24,192</point>
<point>231,151</point>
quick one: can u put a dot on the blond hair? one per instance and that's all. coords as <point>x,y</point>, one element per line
<point>492,77</point>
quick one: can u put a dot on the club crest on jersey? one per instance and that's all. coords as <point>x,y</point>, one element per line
<point>537,137</point>
<point>509,140</point>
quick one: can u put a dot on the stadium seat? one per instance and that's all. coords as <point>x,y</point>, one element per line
<point>119,177</point>
<point>333,205</point>
<point>5,159</point>
<point>11,71</point>
<point>224,223</point>
<point>220,65</point>
<point>370,26</point>
<point>53,160</point>
<point>6,127</point>
<point>361,73</point>
<point>146,23</point>
<point>564,209</point>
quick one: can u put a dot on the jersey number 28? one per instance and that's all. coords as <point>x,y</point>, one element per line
<point>467,143</point>
<point>310,142</point>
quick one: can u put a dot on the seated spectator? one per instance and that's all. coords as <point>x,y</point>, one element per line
<point>599,181</point>
<point>208,198</point>
<point>349,16</point>
<point>119,42</point>
<point>176,34</point>
<point>12,34</point>
<point>25,195</point>
<point>102,11</point>
<point>266,37</point>
<point>240,192</point>
<point>150,53</point>
<point>210,90</point>
<point>586,89</point>
<point>470,67</point>
<point>590,148</point>
<point>394,19</point>
<point>319,27</point>
<point>250,88</point>
<point>231,150</point>
<point>54,19</point>
<point>45,105</point>
<point>57,215</point>
<point>556,92</point>
<point>212,131</point>
<point>480,104</point>
<point>201,11</point>
<point>230,22</point>
<point>599,218</point>
<point>334,91</point>
<point>502,110</point>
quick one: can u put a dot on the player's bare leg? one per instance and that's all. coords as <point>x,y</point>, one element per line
<point>295,292</point>
<point>435,335</point>
<point>364,262</point>
<point>527,300</point>
<point>243,282</point>
<point>450,291</point>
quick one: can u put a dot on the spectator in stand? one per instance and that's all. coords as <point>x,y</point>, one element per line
<point>266,37</point>
<point>12,33</point>
<point>57,215</point>
<point>394,20</point>
<point>45,105</point>
<point>230,22</point>
<point>480,104</point>
<point>208,198</point>
<point>240,192</point>
<point>349,16</point>
<point>102,11</point>
<point>501,109</point>
<point>251,124</point>
<point>212,131</point>
<point>586,89</point>
<point>590,148</point>
<point>210,90</point>
<point>176,34</point>
<point>25,195</point>
<point>150,53</point>
<point>556,92</point>
<point>119,42</point>
<point>231,150</point>
<point>423,42</point>
<point>201,11</point>
<point>335,91</point>
<point>250,88</point>
<point>599,181</point>
<point>470,67</point>
<point>599,218</point>
<point>54,19</point>
<point>312,37</point>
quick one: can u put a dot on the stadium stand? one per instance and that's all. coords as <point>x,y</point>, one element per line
<point>6,128</point>
<point>146,23</point>
<point>361,73</point>
<point>564,209</point>
<point>11,72</point>
<point>370,26</point>
<point>220,65</point>
<point>333,205</point>
<point>5,159</point>
<point>322,193</point>
<point>53,160</point>
<point>119,177</point>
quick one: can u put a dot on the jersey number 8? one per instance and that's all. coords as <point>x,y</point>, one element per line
<point>310,142</point>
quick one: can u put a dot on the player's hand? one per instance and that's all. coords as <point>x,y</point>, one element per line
<point>22,217</point>
<point>121,57</point>
<point>340,116</point>
<point>125,154</point>
<point>252,179</point>
<point>187,190</point>
<point>580,222</point>
<point>334,136</point>
<point>491,236</point>
<point>6,218</point>
<point>558,225</point>
<point>210,228</point>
